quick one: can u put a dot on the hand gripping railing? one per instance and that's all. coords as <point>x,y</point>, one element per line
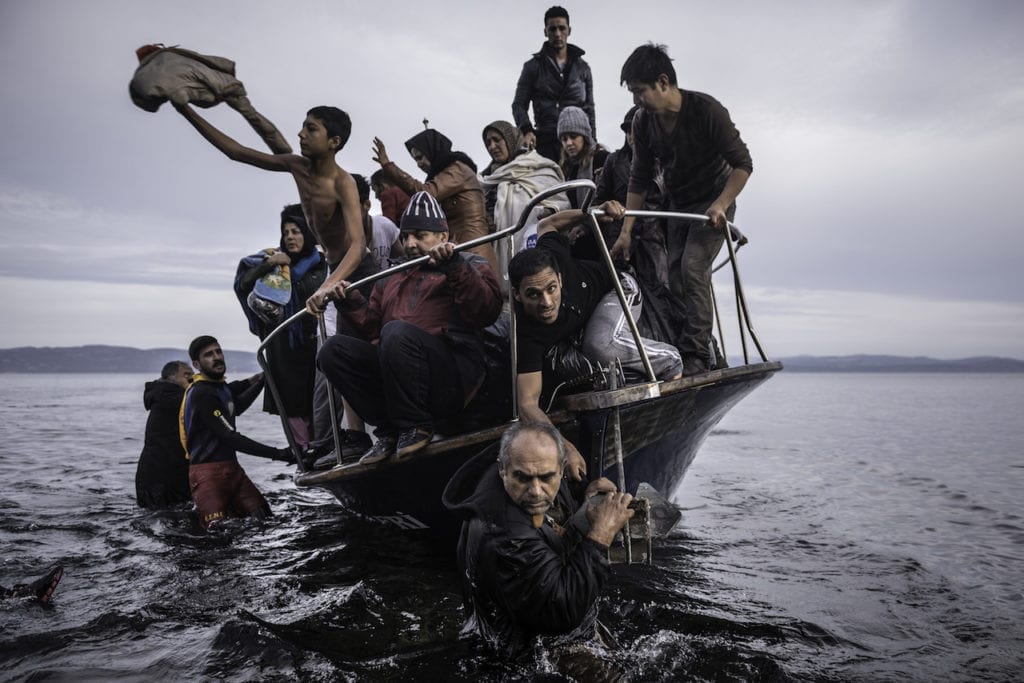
<point>742,312</point>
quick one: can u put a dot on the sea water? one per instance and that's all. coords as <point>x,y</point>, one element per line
<point>836,527</point>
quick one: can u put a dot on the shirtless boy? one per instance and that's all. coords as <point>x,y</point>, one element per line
<point>327,192</point>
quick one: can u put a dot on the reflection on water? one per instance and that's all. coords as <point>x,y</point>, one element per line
<point>837,527</point>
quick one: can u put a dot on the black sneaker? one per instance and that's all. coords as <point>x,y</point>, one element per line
<point>380,451</point>
<point>353,445</point>
<point>692,365</point>
<point>412,440</point>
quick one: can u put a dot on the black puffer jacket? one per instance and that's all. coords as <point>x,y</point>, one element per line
<point>522,585</point>
<point>551,91</point>
<point>161,478</point>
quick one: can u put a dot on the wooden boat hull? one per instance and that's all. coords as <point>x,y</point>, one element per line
<point>660,437</point>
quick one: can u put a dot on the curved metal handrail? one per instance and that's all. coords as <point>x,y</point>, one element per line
<point>742,312</point>
<point>485,239</point>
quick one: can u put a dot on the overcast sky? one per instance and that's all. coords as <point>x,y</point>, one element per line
<point>884,210</point>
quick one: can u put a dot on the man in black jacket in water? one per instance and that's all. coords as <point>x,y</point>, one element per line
<point>161,479</point>
<point>526,576</point>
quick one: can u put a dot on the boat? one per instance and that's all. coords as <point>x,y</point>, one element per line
<point>640,435</point>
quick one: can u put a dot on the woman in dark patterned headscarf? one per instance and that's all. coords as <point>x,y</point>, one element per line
<point>451,179</point>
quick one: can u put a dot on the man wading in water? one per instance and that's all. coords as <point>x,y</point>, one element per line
<point>220,487</point>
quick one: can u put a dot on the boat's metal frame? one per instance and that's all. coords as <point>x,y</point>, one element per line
<point>604,411</point>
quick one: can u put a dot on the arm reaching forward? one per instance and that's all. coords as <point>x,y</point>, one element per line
<point>233,149</point>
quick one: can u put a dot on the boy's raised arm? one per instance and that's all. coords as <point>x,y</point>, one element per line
<point>230,147</point>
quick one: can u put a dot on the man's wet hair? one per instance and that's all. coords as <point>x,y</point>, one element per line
<point>200,343</point>
<point>647,63</point>
<point>362,187</point>
<point>379,178</point>
<point>513,432</point>
<point>335,121</point>
<point>554,12</point>
<point>530,262</point>
<point>171,369</point>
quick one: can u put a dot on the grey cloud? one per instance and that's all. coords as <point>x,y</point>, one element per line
<point>885,135</point>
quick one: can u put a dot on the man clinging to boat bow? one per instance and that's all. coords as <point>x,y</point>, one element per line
<point>327,192</point>
<point>570,318</point>
<point>533,561</point>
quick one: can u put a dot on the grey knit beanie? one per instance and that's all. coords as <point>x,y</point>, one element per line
<point>574,120</point>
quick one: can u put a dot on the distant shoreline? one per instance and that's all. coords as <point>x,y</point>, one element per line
<point>902,364</point>
<point>124,359</point>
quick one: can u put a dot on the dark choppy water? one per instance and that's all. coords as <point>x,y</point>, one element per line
<point>838,527</point>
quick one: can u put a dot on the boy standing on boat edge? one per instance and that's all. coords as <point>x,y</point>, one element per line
<point>220,487</point>
<point>327,192</point>
<point>706,165</point>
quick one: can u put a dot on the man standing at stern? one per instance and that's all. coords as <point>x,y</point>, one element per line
<point>554,78</point>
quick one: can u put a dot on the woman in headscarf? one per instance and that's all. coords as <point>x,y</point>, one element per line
<point>451,179</point>
<point>296,269</point>
<point>514,176</point>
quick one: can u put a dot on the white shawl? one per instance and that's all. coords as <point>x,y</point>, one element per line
<point>516,183</point>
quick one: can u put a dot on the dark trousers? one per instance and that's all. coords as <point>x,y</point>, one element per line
<point>410,380</point>
<point>692,247</point>
<point>549,146</point>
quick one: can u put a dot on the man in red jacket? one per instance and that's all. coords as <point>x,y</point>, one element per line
<point>424,360</point>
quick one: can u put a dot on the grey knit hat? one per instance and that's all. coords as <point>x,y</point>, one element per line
<point>574,120</point>
<point>424,213</point>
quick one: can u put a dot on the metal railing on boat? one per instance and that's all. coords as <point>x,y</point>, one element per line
<point>745,326</point>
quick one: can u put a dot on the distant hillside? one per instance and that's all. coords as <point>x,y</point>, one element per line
<point>126,359</point>
<point>864,363</point>
<point>98,358</point>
